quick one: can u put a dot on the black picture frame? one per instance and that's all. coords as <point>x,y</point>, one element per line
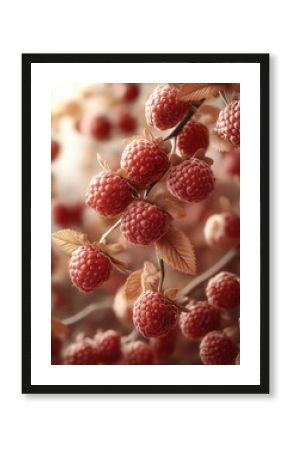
<point>263,60</point>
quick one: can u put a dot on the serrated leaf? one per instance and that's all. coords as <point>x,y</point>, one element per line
<point>58,328</point>
<point>150,277</point>
<point>171,293</point>
<point>113,248</point>
<point>207,114</point>
<point>176,210</point>
<point>176,249</point>
<point>103,163</point>
<point>133,287</point>
<point>69,240</point>
<point>198,91</point>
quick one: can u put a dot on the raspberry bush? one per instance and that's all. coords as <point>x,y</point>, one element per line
<point>164,194</point>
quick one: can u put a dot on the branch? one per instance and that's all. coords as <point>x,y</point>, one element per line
<point>109,231</point>
<point>196,282</point>
<point>162,273</point>
<point>86,312</point>
<point>188,115</point>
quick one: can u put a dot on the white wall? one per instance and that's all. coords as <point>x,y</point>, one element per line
<point>74,422</point>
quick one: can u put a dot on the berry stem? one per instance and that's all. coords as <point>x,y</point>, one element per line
<point>162,273</point>
<point>86,312</point>
<point>131,336</point>
<point>109,231</point>
<point>196,282</point>
<point>191,110</point>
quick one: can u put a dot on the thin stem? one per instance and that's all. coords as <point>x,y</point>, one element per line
<point>191,110</point>
<point>109,231</point>
<point>162,273</point>
<point>196,282</point>
<point>173,145</point>
<point>131,336</point>
<point>86,312</point>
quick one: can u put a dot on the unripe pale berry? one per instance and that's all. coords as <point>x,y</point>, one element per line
<point>89,268</point>
<point>222,229</point>
<point>228,123</point>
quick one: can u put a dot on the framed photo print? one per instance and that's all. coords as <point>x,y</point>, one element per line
<point>145,230</point>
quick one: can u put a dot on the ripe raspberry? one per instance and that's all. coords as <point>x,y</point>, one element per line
<point>154,314</point>
<point>82,352</point>
<point>191,181</point>
<point>217,349</point>
<point>109,194</point>
<point>138,353</point>
<point>223,290</point>
<point>223,229</point>
<point>55,148</point>
<point>126,123</point>
<point>192,137</point>
<point>108,346</point>
<point>163,346</point>
<point>228,123</point>
<point>89,268</point>
<point>143,223</point>
<point>163,109</point>
<point>129,92</point>
<point>100,128</point>
<point>144,162</point>
<point>201,319</point>
<point>66,215</point>
<point>231,163</point>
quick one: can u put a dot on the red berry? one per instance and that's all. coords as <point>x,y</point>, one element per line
<point>100,127</point>
<point>217,349</point>
<point>138,353</point>
<point>154,314</point>
<point>200,319</point>
<point>144,162</point>
<point>82,352</point>
<point>193,137</point>
<point>109,194</point>
<point>126,123</point>
<point>223,229</point>
<point>89,268</point>
<point>228,123</point>
<point>108,346</point>
<point>163,346</point>
<point>223,290</point>
<point>231,163</point>
<point>163,109</point>
<point>143,223</point>
<point>191,181</point>
<point>66,215</point>
<point>130,92</point>
<point>55,148</point>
